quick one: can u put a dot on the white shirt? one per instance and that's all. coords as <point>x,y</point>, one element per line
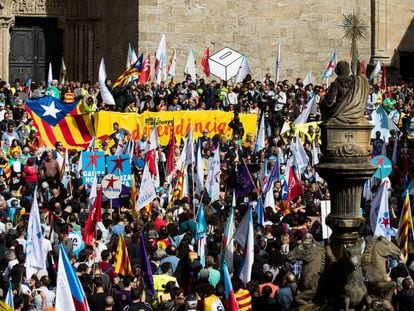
<point>47,247</point>
<point>230,99</point>
<point>50,298</point>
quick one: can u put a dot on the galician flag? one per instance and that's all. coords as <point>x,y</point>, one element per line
<point>244,236</point>
<point>107,97</point>
<point>375,71</point>
<point>277,64</point>
<point>35,259</point>
<point>69,292</point>
<point>244,70</point>
<point>161,61</point>
<point>330,68</point>
<point>146,191</point>
<point>49,75</point>
<point>190,67</point>
<point>213,177</point>
<point>172,63</point>
<point>260,140</point>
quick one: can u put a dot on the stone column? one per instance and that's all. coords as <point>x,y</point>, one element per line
<point>5,24</point>
<point>379,31</point>
<point>346,165</point>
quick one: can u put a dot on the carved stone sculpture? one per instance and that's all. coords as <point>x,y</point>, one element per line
<point>312,254</point>
<point>346,99</point>
<point>374,261</point>
<point>345,165</point>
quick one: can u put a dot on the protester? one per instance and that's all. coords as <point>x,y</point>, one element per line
<point>175,242</point>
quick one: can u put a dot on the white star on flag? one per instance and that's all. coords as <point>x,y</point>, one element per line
<point>50,110</point>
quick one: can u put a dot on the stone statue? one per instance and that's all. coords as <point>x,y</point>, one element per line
<point>354,292</point>
<point>376,254</point>
<point>347,97</point>
<point>312,254</point>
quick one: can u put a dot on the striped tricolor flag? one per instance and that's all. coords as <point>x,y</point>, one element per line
<point>69,291</point>
<point>405,226</point>
<point>122,263</point>
<point>75,131</point>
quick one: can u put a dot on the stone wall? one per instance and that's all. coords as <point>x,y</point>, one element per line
<point>400,29</point>
<point>308,31</point>
<point>120,28</point>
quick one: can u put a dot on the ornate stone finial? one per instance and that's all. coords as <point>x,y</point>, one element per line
<point>346,99</point>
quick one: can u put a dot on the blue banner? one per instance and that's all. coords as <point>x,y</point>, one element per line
<point>120,165</point>
<point>93,163</point>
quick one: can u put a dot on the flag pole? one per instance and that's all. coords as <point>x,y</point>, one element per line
<point>192,174</point>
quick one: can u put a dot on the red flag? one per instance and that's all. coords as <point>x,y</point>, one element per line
<point>204,62</point>
<point>364,67</point>
<point>383,77</point>
<point>171,148</point>
<point>146,70</point>
<point>150,158</point>
<point>295,186</point>
<point>151,149</point>
<point>95,216</point>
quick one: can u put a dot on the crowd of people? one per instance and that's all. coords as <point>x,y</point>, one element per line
<point>170,228</point>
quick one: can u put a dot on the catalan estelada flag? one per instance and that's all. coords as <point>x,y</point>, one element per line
<point>405,226</point>
<point>122,263</point>
<point>74,131</point>
<point>134,70</point>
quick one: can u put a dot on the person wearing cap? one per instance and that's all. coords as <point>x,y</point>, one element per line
<point>53,90</point>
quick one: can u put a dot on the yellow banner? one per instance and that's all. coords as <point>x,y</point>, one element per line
<point>216,122</point>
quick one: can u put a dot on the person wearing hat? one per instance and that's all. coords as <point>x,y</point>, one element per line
<point>53,90</point>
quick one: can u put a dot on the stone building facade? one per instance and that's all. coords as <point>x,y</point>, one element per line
<point>307,30</point>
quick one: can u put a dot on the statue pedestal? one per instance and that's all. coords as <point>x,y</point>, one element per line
<point>345,165</point>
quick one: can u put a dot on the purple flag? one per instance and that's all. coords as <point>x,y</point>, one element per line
<point>146,268</point>
<point>274,176</point>
<point>244,183</point>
